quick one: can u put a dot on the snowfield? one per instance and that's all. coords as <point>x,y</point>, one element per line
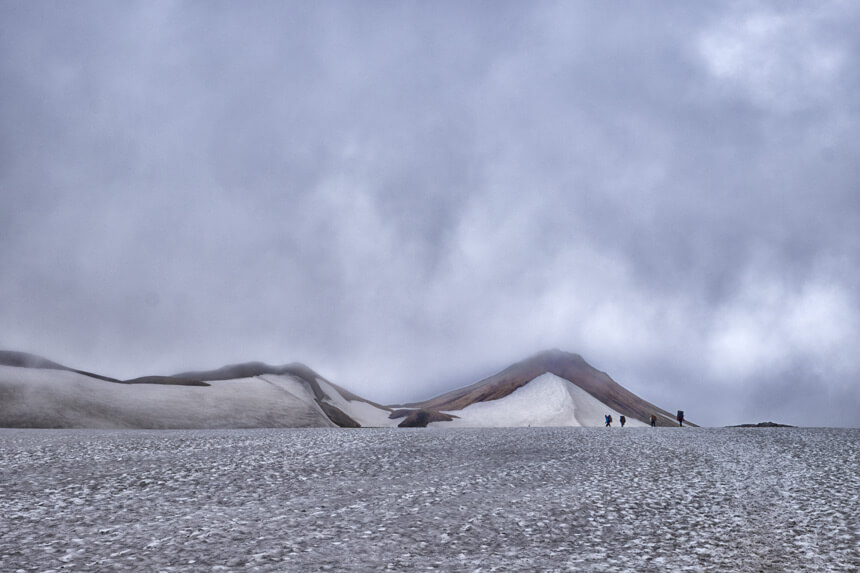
<point>54,398</point>
<point>447,499</point>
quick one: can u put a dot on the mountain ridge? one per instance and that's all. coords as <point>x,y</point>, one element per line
<point>335,405</point>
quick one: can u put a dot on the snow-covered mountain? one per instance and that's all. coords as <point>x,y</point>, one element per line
<point>38,393</point>
<point>551,389</point>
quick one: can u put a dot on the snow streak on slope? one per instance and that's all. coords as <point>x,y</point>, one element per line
<point>545,401</point>
<point>365,413</point>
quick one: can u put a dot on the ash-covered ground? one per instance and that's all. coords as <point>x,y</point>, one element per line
<point>528,499</point>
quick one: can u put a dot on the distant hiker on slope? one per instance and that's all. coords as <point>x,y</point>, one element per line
<point>681,418</point>
<point>653,421</point>
<point>623,420</point>
<point>608,420</point>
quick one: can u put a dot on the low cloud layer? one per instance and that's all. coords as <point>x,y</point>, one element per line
<point>410,196</point>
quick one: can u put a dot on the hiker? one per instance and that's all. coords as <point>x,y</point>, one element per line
<point>623,420</point>
<point>653,421</point>
<point>608,420</point>
<point>681,418</point>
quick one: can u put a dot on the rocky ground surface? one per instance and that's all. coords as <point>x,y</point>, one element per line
<point>528,499</point>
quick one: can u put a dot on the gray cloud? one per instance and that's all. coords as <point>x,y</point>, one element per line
<point>408,196</point>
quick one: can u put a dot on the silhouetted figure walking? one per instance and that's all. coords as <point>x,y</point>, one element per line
<point>681,418</point>
<point>623,420</point>
<point>653,421</point>
<point>608,419</point>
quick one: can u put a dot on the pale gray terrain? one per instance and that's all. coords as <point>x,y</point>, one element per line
<point>525,499</point>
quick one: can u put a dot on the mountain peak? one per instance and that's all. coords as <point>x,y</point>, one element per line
<point>555,355</point>
<point>27,360</point>
<point>568,366</point>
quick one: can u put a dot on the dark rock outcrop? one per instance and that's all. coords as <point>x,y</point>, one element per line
<point>762,425</point>
<point>166,380</point>
<point>419,418</point>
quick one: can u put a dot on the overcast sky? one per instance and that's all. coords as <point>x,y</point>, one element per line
<point>409,196</point>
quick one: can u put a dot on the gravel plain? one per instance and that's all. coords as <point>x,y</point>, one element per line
<point>527,499</point>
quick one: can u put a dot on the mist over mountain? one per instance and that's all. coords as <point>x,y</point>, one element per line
<point>553,388</point>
